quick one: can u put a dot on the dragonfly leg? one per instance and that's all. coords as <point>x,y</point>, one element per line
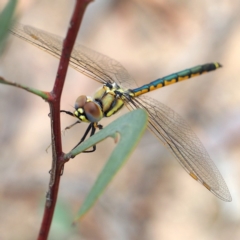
<point>92,128</point>
<point>70,126</point>
<point>99,126</point>
<point>91,134</point>
<point>67,112</point>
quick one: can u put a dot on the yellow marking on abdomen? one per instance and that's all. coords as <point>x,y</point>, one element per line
<point>144,91</point>
<point>195,74</point>
<point>160,85</point>
<point>136,94</point>
<point>141,92</point>
<point>152,88</point>
<point>170,82</point>
<point>183,78</point>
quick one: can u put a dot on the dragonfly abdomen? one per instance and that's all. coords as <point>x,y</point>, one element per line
<point>175,77</point>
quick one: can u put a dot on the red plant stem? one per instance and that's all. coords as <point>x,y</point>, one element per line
<point>54,102</point>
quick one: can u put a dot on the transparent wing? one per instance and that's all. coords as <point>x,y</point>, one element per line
<point>92,64</point>
<point>175,134</point>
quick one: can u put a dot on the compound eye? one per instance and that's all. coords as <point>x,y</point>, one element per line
<point>80,102</point>
<point>93,111</point>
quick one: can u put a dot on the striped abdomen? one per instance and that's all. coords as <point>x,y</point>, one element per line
<point>175,77</point>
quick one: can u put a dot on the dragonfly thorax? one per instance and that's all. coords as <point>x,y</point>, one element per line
<point>109,95</point>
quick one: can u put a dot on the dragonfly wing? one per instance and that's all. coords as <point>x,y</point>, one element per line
<point>175,133</point>
<point>110,69</point>
<point>92,64</point>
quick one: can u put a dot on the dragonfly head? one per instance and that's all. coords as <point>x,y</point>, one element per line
<point>87,110</point>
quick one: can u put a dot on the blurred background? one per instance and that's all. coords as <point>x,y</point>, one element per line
<point>151,197</point>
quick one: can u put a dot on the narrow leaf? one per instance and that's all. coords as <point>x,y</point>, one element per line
<point>130,127</point>
<point>6,20</point>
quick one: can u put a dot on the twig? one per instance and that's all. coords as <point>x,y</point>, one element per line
<point>54,102</point>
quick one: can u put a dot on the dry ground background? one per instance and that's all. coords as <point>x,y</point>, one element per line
<point>151,197</point>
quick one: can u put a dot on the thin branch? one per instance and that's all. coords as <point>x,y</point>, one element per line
<point>57,154</point>
<point>43,94</point>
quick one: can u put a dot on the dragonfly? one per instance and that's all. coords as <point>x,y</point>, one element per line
<point>119,89</point>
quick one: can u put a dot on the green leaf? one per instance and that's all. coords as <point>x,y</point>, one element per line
<point>6,20</point>
<point>130,127</point>
<point>61,225</point>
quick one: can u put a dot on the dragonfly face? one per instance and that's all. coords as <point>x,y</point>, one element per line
<point>87,110</point>
<point>119,88</point>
